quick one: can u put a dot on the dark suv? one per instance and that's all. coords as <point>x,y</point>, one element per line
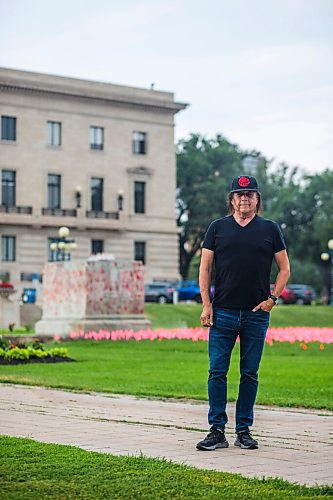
<point>159,291</point>
<point>304,294</point>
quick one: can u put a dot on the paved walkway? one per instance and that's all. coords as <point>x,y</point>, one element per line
<point>302,450</point>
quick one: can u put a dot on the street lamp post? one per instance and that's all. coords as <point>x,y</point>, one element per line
<point>64,245</point>
<point>326,256</point>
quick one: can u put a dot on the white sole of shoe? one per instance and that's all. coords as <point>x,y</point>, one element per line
<point>211,448</point>
<point>251,447</point>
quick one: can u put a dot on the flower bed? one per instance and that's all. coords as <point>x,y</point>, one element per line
<point>36,352</point>
<point>6,289</point>
<point>288,334</point>
<point>6,284</point>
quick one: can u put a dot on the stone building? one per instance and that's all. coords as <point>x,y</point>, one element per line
<point>95,157</point>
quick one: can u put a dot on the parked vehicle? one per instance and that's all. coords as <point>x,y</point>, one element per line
<point>188,290</point>
<point>159,291</point>
<point>287,296</point>
<point>305,294</point>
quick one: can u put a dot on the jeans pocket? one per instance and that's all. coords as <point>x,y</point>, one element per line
<point>224,318</point>
<point>262,312</point>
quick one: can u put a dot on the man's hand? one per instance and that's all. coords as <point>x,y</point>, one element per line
<point>206,317</point>
<point>265,305</point>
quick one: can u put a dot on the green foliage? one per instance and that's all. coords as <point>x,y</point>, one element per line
<point>39,470</point>
<point>204,172</point>
<point>38,353</point>
<point>4,343</point>
<point>15,331</point>
<point>301,204</point>
<point>61,352</point>
<point>17,353</point>
<point>35,349</point>
<point>307,272</point>
<point>37,344</point>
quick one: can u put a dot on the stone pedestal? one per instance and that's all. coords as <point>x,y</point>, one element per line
<point>9,309</point>
<point>92,295</point>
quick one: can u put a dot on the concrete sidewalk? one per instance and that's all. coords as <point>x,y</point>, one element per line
<point>301,450</point>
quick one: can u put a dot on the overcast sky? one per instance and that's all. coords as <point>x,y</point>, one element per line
<point>257,71</point>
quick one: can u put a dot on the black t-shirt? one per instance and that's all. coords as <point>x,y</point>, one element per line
<point>243,259</point>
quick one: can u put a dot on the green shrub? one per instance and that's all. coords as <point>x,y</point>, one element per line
<point>38,353</point>
<point>17,353</point>
<point>3,343</point>
<point>37,344</point>
<point>59,351</point>
<point>35,350</point>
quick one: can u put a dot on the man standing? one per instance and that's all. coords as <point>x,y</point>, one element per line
<point>242,246</point>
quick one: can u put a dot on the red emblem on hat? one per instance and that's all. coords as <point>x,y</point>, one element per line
<point>243,182</point>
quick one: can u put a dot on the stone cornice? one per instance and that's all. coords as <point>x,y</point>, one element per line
<point>68,88</point>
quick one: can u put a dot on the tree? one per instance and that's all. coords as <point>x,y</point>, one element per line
<point>205,168</point>
<point>301,204</point>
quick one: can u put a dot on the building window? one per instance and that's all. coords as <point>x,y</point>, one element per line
<point>139,197</point>
<point>97,246</point>
<point>31,277</point>
<point>96,138</point>
<point>8,187</point>
<point>8,128</point>
<point>53,191</point>
<point>54,133</point>
<point>139,143</point>
<point>8,248</point>
<point>140,251</point>
<point>96,193</point>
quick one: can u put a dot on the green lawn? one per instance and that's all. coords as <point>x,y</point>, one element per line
<point>32,470</point>
<point>289,375</point>
<point>187,315</point>
<point>170,316</point>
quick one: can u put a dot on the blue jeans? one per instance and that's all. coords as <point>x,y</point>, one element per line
<point>251,328</point>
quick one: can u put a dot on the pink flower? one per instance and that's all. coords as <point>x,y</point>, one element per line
<point>288,334</point>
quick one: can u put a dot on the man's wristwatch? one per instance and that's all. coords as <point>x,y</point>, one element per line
<point>273,297</point>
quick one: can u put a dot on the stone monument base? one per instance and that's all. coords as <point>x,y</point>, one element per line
<point>9,311</point>
<point>63,327</point>
<point>92,295</point>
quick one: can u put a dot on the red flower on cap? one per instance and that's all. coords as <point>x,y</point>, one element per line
<point>243,181</point>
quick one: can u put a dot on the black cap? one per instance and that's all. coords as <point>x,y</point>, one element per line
<point>244,183</point>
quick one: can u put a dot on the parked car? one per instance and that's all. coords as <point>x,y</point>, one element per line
<point>305,294</point>
<point>159,291</point>
<point>287,296</point>
<point>188,290</point>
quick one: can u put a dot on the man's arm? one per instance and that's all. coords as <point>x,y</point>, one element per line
<point>282,261</point>
<point>206,265</point>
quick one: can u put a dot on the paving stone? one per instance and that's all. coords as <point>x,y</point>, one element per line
<point>295,444</point>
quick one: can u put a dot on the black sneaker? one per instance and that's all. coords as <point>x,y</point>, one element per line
<point>215,439</point>
<point>245,440</point>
